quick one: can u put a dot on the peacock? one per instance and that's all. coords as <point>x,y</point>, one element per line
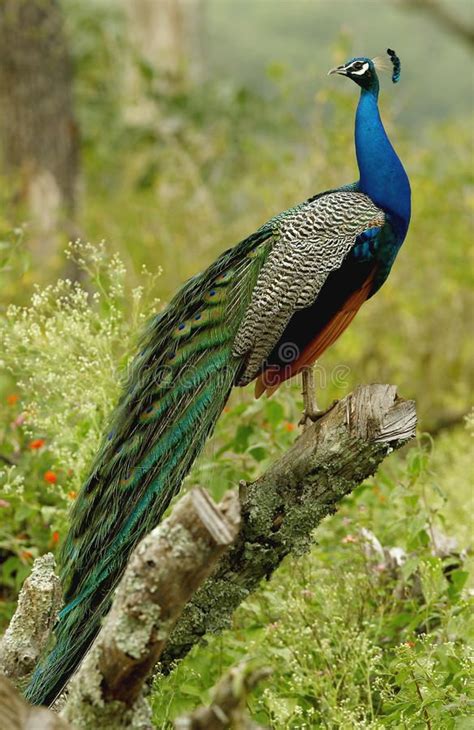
<point>264,311</point>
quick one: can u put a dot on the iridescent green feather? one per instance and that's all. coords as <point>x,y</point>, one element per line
<point>176,390</point>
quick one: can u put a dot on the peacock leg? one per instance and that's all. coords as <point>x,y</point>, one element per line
<point>311,412</point>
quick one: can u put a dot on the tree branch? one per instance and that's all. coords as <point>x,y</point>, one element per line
<point>163,573</point>
<point>30,628</point>
<point>169,596</point>
<point>228,708</point>
<point>280,510</point>
<point>17,714</point>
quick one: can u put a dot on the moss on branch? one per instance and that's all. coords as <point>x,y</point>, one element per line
<point>281,509</point>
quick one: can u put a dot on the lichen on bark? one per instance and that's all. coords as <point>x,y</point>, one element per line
<point>163,573</point>
<point>281,509</point>
<point>30,628</point>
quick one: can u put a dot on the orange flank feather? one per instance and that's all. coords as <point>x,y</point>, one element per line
<point>270,380</point>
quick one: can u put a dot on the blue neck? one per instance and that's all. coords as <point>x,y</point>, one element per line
<point>382,176</point>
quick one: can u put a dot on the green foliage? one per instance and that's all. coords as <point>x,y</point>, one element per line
<point>355,641</point>
<point>66,352</point>
<point>68,347</point>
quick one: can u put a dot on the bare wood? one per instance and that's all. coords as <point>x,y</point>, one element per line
<point>16,714</point>
<point>280,510</point>
<point>228,707</point>
<point>29,630</point>
<point>164,571</point>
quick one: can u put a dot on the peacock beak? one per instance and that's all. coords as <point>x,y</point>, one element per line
<point>338,70</point>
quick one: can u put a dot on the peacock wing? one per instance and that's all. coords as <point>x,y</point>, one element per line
<point>310,243</point>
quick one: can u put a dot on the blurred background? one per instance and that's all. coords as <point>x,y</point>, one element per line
<point>154,134</point>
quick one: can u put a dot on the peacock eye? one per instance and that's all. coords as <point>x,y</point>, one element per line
<point>357,65</point>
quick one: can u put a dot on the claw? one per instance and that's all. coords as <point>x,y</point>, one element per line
<point>309,399</point>
<point>311,417</point>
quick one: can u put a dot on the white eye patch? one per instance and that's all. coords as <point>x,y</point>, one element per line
<point>360,72</point>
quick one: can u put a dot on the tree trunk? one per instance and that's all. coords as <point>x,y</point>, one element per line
<point>38,133</point>
<point>168,35</point>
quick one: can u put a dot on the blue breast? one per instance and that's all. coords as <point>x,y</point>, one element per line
<point>384,180</point>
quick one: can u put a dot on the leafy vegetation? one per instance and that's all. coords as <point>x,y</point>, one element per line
<point>355,639</point>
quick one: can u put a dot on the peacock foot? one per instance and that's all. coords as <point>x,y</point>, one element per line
<point>313,415</point>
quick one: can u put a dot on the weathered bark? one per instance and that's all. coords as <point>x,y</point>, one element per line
<point>228,708</point>
<point>38,130</point>
<point>17,714</point>
<point>30,628</point>
<point>280,510</point>
<point>165,570</point>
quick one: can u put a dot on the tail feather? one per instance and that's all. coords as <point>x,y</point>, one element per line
<point>176,391</point>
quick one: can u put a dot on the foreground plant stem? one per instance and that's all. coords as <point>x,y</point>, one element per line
<point>228,708</point>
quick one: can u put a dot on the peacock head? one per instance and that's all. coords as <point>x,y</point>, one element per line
<point>364,70</point>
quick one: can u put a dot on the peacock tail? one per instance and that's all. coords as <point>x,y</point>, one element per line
<point>176,390</point>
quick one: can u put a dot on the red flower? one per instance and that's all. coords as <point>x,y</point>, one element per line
<point>36,444</point>
<point>348,539</point>
<point>55,537</point>
<point>12,399</point>
<point>289,426</point>
<point>50,476</point>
